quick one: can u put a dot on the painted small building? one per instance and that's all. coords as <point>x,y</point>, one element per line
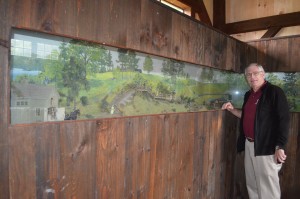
<point>35,103</point>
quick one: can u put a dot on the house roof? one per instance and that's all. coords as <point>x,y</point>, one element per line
<point>33,91</point>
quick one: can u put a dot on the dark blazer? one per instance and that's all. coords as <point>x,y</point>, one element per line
<point>271,121</point>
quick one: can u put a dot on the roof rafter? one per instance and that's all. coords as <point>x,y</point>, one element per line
<point>197,6</point>
<point>283,20</point>
<point>271,32</point>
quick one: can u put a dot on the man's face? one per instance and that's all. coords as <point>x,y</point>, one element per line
<point>255,77</point>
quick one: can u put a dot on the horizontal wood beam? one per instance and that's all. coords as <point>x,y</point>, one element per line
<point>284,20</point>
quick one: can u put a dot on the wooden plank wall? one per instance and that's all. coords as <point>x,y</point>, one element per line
<point>161,156</point>
<point>190,155</point>
<point>245,10</point>
<point>145,26</point>
<point>278,54</point>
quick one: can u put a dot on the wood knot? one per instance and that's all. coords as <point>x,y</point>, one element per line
<point>47,25</point>
<point>79,149</point>
<point>159,40</point>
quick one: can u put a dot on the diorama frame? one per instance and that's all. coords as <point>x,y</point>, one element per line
<point>56,78</point>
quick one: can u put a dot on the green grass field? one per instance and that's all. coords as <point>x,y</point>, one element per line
<point>104,89</point>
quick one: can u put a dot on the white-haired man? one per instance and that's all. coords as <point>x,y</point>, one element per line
<point>263,133</point>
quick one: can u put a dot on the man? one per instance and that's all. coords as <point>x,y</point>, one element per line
<point>263,133</point>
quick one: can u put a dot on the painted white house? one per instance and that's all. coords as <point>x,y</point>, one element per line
<point>34,103</point>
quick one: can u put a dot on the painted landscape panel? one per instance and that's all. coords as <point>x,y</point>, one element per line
<point>57,78</point>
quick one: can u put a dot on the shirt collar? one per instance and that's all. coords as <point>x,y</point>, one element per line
<point>260,89</point>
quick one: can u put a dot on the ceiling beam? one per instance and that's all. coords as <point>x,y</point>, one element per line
<point>271,32</point>
<point>283,20</point>
<point>197,6</point>
<point>219,12</point>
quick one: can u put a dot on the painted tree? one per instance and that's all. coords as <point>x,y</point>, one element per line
<point>108,61</point>
<point>122,60</point>
<point>172,68</point>
<point>291,89</point>
<point>102,59</point>
<point>86,54</point>
<point>52,66</point>
<point>127,60</point>
<point>148,64</point>
<point>76,61</point>
<point>274,79</point>
<point>207,74</point>
<point>290,84</point>
<point>74,79</point>
<point>298,82</point>
<point>132,61</point>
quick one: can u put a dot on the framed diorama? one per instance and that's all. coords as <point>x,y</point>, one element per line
<point>56,78</point>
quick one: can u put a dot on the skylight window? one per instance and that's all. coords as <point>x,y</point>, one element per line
<point>171,5</point>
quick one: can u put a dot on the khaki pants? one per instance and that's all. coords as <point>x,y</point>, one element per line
<point>261,174</point>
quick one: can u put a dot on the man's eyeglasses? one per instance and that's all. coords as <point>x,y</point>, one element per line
<point>255,74</point>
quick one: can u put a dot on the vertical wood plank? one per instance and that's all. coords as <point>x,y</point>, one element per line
<point>281,61</point>
<point>197,156</point>
<point>205,154</point>
<point>241,57</point>
<point>211,176</point>
<point>4,112</point>
<point>77,167</point>
<point>197,49</point>
<point>146,25</point>
<point>161,171</point>
<point>87,14</point>
<point>219,156</point>
<point>186,38</point>
<point>133,15</point>
<point>180,40</point>
<point>171,153</point>
<point>215,48</point>
<point>22,167</point>
<point>65,18</point>
<point>20,13</point>
<point>219,47</point>
<point>207,46</point>
<point>230,131</point>
<point>223,51</point>
<point>6,15</point>
<point>291,166</point>
<point>294,58</point>
<point>153,124</point>
<point>119,131</point>
<point>186,143</point>
<point>251,53</point>
<point>261,51</point>
<point>131,151</point>
<point>118,23</point>
<point>49,183</point>
<point>106,163</point>
<point>230,58</point>
<point>156,26</point>
<point>102,30</point>
<point>143,158</point>
<point>41,15</point>
<point>176,46</point>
